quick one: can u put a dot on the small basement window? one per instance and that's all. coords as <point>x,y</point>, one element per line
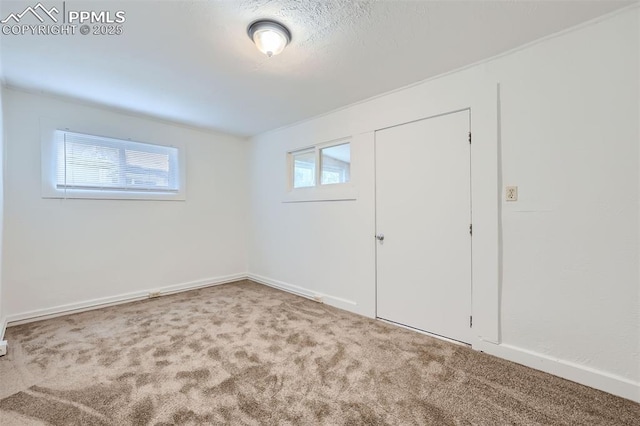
<point>87,166</point>
<point>320,173</point>
<point>324,164</point>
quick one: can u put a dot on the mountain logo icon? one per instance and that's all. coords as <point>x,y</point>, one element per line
<point>39,11</point>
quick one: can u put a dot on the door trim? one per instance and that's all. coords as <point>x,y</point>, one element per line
<point>427,118</point>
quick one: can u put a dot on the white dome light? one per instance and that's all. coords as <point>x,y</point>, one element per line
<point>270,37</point>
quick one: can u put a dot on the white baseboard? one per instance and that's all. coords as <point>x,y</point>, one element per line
<point>584,375</point>
<point>3,327</point>
<point>87,305</point>
<point>338,302</point>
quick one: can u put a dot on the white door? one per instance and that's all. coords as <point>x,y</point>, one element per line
<point>423,210</point>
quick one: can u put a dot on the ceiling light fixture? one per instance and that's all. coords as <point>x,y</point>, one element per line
<point>270,37</point>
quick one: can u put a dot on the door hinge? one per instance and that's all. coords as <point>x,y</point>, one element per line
<point>470,321</point>
<point>470,229</point>
<point>469,137</point>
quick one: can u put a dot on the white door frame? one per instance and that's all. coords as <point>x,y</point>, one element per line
<point>482,101</point>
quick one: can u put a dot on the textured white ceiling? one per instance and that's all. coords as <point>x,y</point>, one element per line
<point>192,62</point>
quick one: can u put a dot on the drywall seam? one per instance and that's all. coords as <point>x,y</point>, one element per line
<point>87,305</point>
<point>584,375</point>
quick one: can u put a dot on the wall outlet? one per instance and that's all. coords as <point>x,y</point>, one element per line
<point>3,347</point>
<point>511,193</point>
<point>154,294</point>
<point>318,298</point>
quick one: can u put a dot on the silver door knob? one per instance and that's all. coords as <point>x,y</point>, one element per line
<point>380,237</point>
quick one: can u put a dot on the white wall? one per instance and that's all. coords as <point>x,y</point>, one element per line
<point>63,254</point>
<point>567,270</point>
<point>570,141</point>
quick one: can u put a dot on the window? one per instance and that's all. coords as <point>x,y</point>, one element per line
<point>304,168</point>
<point>336,164</point>
<point>320,173</point>
<point>87,166</point>
<point>334,160</point>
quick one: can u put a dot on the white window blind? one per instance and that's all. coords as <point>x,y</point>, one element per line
<point>87,162</point>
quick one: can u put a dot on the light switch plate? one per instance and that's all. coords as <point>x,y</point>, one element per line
<point>511,193</point>
<point>3,347</point>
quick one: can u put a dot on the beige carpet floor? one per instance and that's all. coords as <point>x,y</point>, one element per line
<point>244,353</point>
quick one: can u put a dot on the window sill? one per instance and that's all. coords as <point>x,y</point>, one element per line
<point>337,192</point>
<point>112,195</point>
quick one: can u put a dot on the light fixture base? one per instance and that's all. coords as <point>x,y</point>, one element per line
<point>270,37</point>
